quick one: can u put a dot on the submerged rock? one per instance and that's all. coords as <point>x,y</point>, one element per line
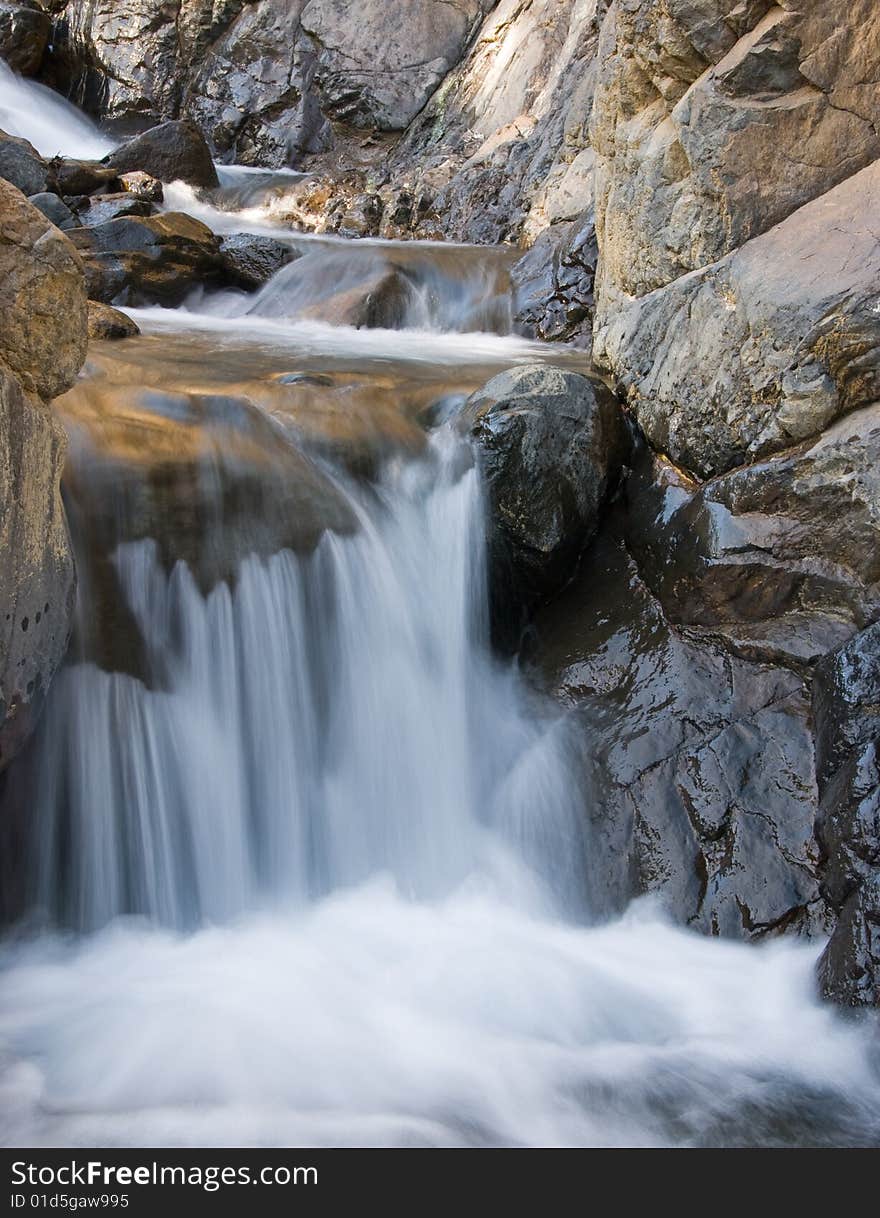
<point>551,444</point>
<point>148,260</point>
<point>250,261</point>
<point>175,151</point>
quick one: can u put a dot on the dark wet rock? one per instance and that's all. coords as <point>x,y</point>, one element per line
<point>24,35</point>
<point>846,709</point>
<point>781,557</point>
<point>250,261</point>
<point>551,444</point>
<point>105,322</point>
<point>368,293</point>
<point>22,165</point>
<point>81,177</point>
<point>553,284</point>
<point>55,209</point>
<point>153,260</point>
<point>698,766</point>
<point>112,207</point>
<point>173,151</point>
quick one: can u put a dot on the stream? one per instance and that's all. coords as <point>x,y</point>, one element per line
<point>301,862</point>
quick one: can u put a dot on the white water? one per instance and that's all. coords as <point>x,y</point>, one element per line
<point>323,883</point>
<point>53,125</point>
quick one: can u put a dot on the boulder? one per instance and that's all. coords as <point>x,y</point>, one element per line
<point>74,177</point>
<point>714,121</point>
<point>54,209</point>
<point>551,445</point>
<point>846,697</point>
<point>781,557</point>
<point>22,165</point>
<point>366,292</point>
<point>250,261</point>
<point>42,298</point>
<point>112,207</point>
<point>697,766</point>
<point>148,260</point>
<point>105,322</point>
<point>763,348</point>
<point>24,35</point>
<point>553,283</point>
<point>175,151</point>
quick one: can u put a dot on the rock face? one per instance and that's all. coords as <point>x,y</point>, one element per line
<point>553,283</point>
<point>155,260</point>
<point>24,35</point>
<point>763,348</point>
<point>551,444</point>
<point>846,695</point>
<point>715,121</point>
<point>42,344</point>
<point>171,152</point>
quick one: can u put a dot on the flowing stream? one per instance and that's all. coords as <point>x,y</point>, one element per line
<point>298,861</point>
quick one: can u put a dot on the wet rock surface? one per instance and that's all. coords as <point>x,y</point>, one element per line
<point>551,444</point>
<point>175,151</point>
<point>24,35</point>
<point>250,262</point>
<point>105,322</point>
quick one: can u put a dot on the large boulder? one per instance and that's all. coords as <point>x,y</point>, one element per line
<point>763,348</point>
<point>42,298</point>
<point>24,35</point>
<point>139,260</point>
<point>175,151</point>
<point>551,444</point>
<point>714,121</point>
<point>22,165</point>
<point>42,344</point>
<point>846,696</point>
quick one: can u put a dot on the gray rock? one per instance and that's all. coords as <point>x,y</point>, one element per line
<point>103,208</point>
<point>551,444</point>
<point>764,348</point>
<point>24,34</point>
<point>173,151</point>
<point>153,260</point>
<point>553,284</point>
<point>250,261</point>
<point>54,209</point>
<point>22,165</point>
<point>72,177</point>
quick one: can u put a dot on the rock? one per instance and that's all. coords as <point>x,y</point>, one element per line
<point>250,261</point>
<point>697,766</point>
<point>551,445</point>
<point>846,697</point>
<point>42,345</point>
<point>143,186</point>
<point>54,209</point>
<point>714,121</point>
<point>154,260</point>
<point>36,566</point>
<point>782,557</point>
<point>24,34</point>
<point>175,151</point>
<point>553,284</point>
<point>42,298</point>
<point>22,165</point>
<point>763,348</point>
<point>103,208</point>
<point>81,177</point>
<point>105,322</point>
<point>365,293</point>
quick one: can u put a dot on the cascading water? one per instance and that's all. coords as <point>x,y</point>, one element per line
<point>305,865</point>
<point>53,126</point>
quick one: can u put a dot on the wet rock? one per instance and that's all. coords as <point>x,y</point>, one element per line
<point>250,261</point>
<point>846,708</point>
<point>105,322</point>
<point>54,209</point>
<point>551,444</point>
<point>764,348</point>
<point>81,177</point>
<point>143,186</point>
<point>367,293</point>
<point>154,260</point>
<point>24,34</point>
<point>175,151</point>
<point>22,165</point>
<point>697,766</point>
<point>782,557</point>
<point>103,208</point>
<point>42,298</point>
<point>553,284</point>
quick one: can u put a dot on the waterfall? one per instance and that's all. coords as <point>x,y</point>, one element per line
<point>54,126</point>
